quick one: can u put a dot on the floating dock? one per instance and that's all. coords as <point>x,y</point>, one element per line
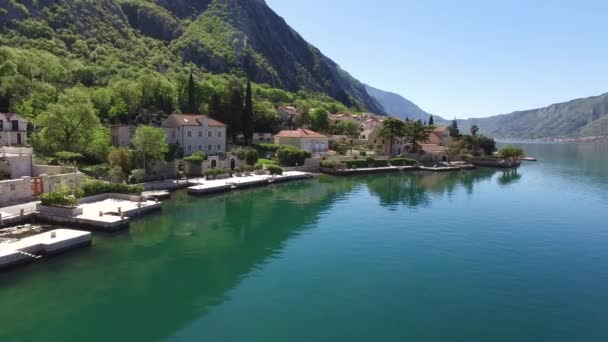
<point>207,187</point>
<point>33,247</point>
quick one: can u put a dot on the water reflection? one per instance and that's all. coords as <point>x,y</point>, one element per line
<point>186,259</point>
<point>508,177</point>
<point>415,190</point>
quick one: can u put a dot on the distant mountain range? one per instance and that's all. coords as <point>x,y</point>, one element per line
<point>397,106</point>
<point>576,118</point>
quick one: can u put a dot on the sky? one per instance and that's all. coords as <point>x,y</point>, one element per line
<point>463,58</point>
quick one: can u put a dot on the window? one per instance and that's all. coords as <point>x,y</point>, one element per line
<point>219,147</point>
<point>200,148</point>
<point>209,148</point>
<point>219,134</point>
<point>189,148</point>
<point>173,134</point>
<point>1,125</point>
<point>209,134</point>
<point>200,133</point>
<point>189,133</point>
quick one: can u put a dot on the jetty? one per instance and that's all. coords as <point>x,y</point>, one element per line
<point>207,187</point>
<point>34,247</point>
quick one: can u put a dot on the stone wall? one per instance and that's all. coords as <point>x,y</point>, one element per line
<point>71,180</point>
<point>51,170</point>
<point>20,166</point>
<point>16,191</point>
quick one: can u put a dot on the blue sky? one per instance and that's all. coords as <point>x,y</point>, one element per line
<point>463,58</point>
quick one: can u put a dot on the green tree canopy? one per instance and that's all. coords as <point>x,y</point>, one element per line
<point>319,119</point>
<point>416,132</point>
<point>68,124</point>
<point>151,142</point>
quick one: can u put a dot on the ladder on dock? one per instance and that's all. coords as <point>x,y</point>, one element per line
<point>30,255</point>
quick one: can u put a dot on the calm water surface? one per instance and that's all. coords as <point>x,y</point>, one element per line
<point>486,255</point>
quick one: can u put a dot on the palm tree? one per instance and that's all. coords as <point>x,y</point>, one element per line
<point>417,132</point>
<point>474,130</point>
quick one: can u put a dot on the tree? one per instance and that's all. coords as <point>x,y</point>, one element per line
<point>416,132</point>
<point>349,128</point>
<point>235,110</point>
<point>191,106</point>
<point>474,130</point>
<point>511,153</point>
<point>454,131</point>
<point>67,124</point>
<point>150,142</point>
<point>488,145</point>
<point>248,115</point>
<point>431,121</point>
<point>122,158</point>
<point>392,128</point>
<point>319,120</point>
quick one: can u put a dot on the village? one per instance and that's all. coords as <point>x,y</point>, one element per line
<point>204,159</point>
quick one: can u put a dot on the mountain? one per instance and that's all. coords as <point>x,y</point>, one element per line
<point>397,106</point>
<point>576,118</point>
<point>239,37</point>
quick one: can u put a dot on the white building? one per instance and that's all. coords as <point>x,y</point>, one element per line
<point>196,133</point>
<point>305,139</point>
<point>13,130</point>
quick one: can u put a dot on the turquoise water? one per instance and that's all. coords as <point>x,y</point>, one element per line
<point>486,255</point>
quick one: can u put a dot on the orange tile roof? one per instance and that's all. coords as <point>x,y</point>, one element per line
<point>193,120</point>
<point>300,133</point>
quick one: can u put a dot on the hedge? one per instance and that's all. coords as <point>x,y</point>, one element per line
<point>274,170</point>
<point>333,164</point>
<point>402,161</point>
<point>58,199</point>
<point>290,156</point>
<point>97,187</point>
<point>269,147</point>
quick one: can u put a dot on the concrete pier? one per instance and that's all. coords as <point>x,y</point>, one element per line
<point>48,243</point>
<point>207,187</point>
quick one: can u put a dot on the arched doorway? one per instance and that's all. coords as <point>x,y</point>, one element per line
<point>213,164</point>
<point>232,164</point>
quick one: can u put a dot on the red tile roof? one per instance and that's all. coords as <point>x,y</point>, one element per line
<point>192,120</point>
<point>300,133</point>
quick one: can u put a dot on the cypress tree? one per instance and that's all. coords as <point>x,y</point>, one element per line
<point>248,115</point>
<point>431,121</point>
<point>191,107</point>
<point>235,110</point>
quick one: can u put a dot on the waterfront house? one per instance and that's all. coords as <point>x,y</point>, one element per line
<point>440,136</point>
<point>193,132</point>
<point>306,139</point>
<point>13,130</point>
<point>122,135</point>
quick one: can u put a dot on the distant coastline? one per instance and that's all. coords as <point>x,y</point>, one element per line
<point>601,138</point>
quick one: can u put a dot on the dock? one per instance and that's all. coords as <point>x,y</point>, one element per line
<point>33,247</point>
<point>208,187</point>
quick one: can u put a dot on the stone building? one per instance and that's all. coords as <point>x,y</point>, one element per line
<point>196,133</point>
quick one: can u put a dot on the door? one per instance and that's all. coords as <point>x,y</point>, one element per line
<point>36,186</point>
<point>15,124</point>
<point>19,139</point>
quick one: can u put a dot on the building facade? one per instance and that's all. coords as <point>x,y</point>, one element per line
<point>122,135</point>
<point>305,139</point>
<point>194,133</point>
<point>13,130</point>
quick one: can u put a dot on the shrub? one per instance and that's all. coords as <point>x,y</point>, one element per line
<point>249,155</point>
<point>402,161</point>
<point>351,164</point>
<point>58,199</point>
<point>269,147</point>
<point>275,170</point>
<point>137,176</point>
<point>96,187</point>
<point>121,157</point>
<point>290,156</point>
<point>333,164</point>
<point>69,157</point>
<point>116,174</point>
<point>213,173</point>
<point>380,163</point>
<point>196,158</point>
<point>258,167</point>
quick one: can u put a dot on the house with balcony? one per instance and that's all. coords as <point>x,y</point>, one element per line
<point>13,130</point>
<point>193,132</point>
